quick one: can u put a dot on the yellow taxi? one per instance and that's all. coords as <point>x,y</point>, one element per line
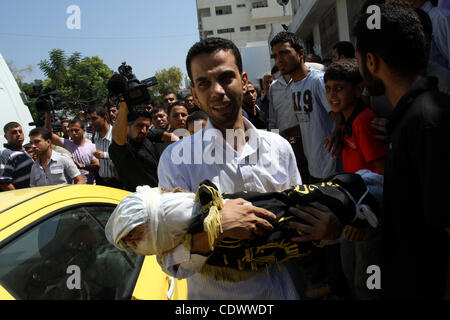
<point>53,246</point>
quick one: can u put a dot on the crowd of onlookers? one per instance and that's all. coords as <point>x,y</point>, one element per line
<point>85,139</point>
<point>334,113</point>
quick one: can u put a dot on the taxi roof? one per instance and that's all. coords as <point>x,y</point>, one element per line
<point>20,203</point>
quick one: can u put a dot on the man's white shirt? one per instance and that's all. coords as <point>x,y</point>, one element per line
<point>266,163</point>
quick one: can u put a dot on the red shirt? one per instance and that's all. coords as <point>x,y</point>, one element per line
<point>362,148</point>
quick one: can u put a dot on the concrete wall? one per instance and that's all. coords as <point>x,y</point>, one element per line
<point>310,14</point>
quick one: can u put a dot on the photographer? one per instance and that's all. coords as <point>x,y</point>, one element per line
<point>133,153</point>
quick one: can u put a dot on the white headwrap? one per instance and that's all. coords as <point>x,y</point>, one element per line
<point>166,216</point>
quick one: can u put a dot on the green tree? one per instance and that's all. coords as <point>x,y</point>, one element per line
<point>81,82</point>
<point>169,80</point>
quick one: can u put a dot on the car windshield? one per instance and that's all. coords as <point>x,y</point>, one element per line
<point>67,256</point>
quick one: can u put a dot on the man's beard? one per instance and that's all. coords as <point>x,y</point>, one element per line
<point>373,84</point>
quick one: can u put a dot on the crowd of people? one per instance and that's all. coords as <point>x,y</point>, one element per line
<point>382,106</point>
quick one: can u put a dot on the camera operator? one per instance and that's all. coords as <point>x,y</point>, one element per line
<point>134,154</point>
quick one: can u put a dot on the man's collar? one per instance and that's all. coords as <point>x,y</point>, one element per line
<point>427,7</point>
<point>7,146</point>
<point>419,87</point>
<point>54,156</point>
<point>254,137</point>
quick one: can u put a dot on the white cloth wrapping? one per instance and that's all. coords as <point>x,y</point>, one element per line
<point>166,215</point>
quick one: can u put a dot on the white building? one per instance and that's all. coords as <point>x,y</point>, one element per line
<point>242,21</point>
<point>247,23</point>
<point>322,23</point>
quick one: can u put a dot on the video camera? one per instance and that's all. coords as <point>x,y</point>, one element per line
<point>126,84</point>
<point>47,100</point>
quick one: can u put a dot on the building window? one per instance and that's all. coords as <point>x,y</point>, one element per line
<point>260,26</point>
<point>242,5</point>
<point>228,30</point>
<point>202,13</point>
<point>223,10</point>
<point>260,4</point>
<point>247,28</point>
<point>208,33</point>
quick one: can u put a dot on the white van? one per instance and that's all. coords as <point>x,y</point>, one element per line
<point>12,107</point>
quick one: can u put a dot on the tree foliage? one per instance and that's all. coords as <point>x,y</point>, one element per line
<point>80,81</point>
<point>169,80</point>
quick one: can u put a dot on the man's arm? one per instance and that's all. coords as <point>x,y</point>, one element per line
<point>48,124</point>
<point>79,180</point>
<point>119,131</point>
<point>6,186</point>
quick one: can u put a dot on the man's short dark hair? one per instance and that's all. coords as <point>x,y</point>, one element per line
<point>170,92</point>
<point>10,125</point>
<point>42,131</point>
<point>195,116</point>
<point>175,104</point>
<point>136,114</point>
<point>211,45</point>
<point>79,121</point>
<point>285,36</point>
<point>345,48</point>
<point>99,110</point>
<point>156,110</point>
<point>400,41</point>
<point>344,69</point>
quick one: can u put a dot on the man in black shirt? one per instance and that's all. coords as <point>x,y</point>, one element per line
<point>254,113</point>
<point>134,154</point>
<point>415,250</point>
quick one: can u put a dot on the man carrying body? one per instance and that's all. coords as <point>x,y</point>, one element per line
<point>256,160</point>
<point>15,163</point>
<point>51,167</point>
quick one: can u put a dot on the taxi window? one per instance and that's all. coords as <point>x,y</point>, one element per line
<point>68,257</point>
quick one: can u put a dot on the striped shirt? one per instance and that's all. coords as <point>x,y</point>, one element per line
<point>15,167</point>
<point>102,144</point>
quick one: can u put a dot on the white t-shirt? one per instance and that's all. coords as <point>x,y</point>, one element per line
<point>312,110</point>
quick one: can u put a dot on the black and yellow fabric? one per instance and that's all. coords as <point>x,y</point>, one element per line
<point>343,194</point>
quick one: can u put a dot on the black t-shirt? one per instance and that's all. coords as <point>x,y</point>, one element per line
<point>416,189</point>
<point>137,163</point>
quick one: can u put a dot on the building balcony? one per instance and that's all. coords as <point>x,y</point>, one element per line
<point>273,12</point>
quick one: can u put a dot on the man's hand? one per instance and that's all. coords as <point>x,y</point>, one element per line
<point>324,224</point>
<point>240,220</point>
<point>99,154</point>
<point>353,234</point>
<point>380,125</point>
<point>334,143</point>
